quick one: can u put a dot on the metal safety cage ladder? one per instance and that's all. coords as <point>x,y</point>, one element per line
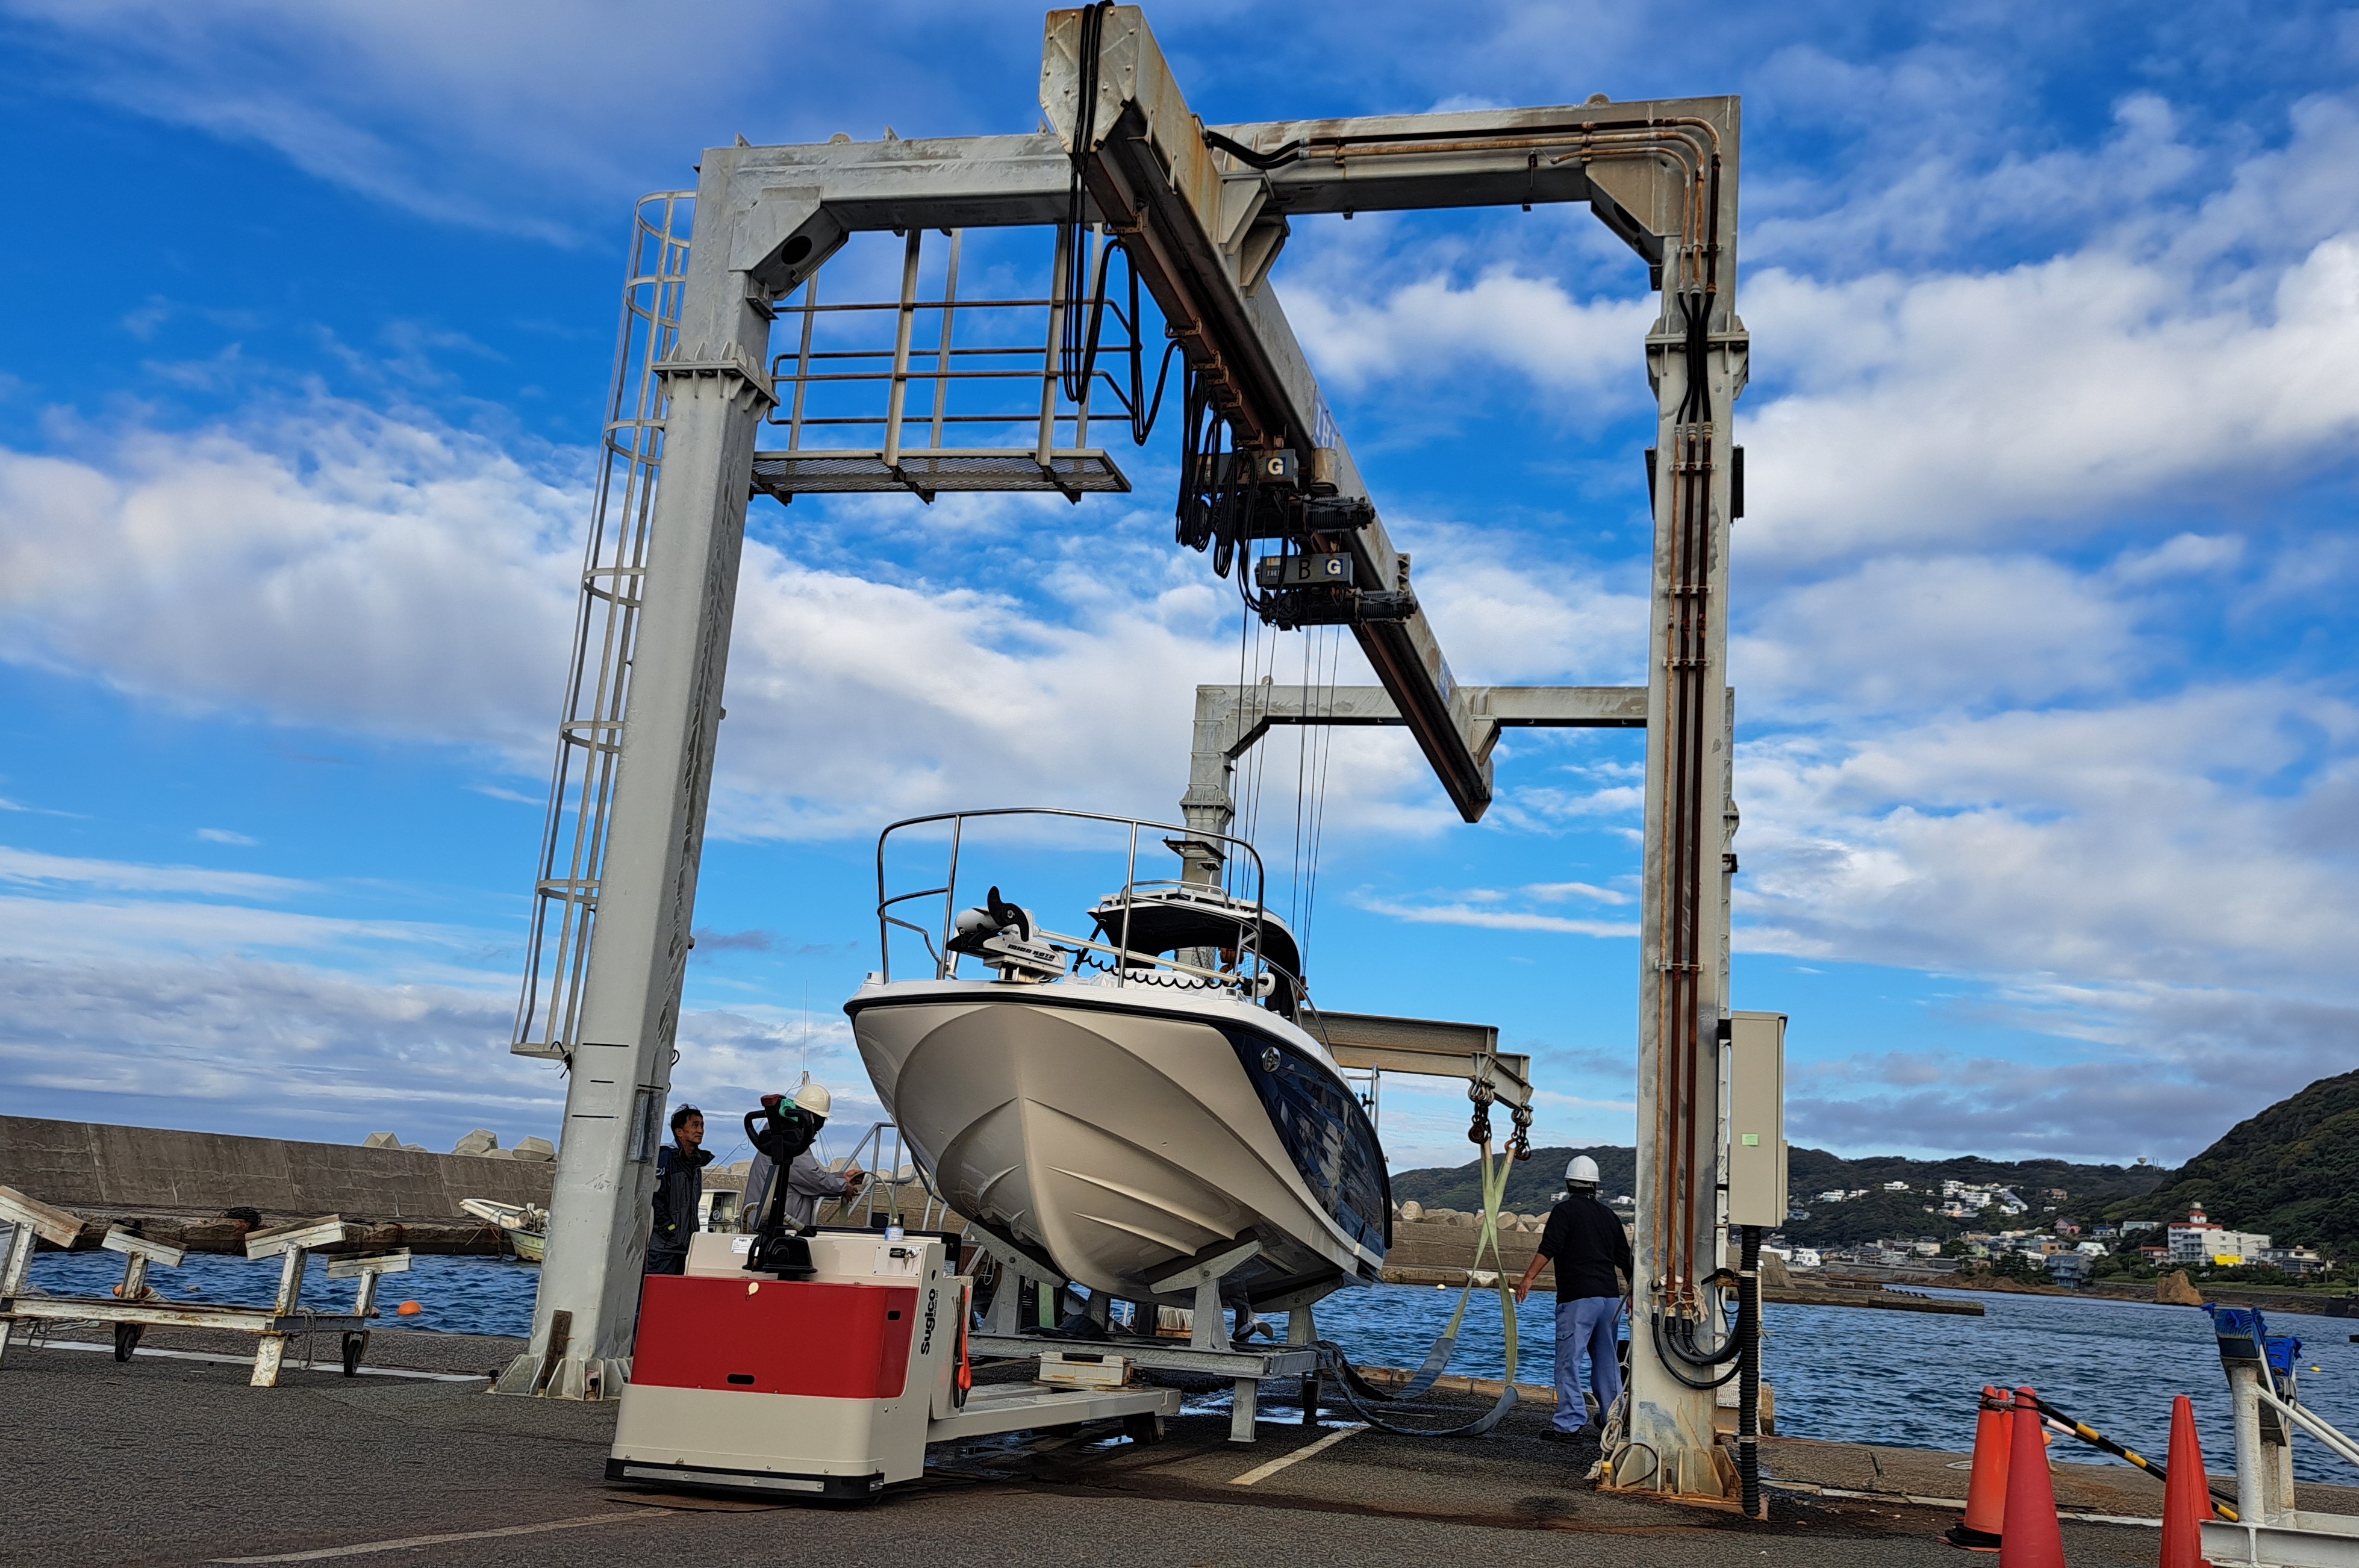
<point>589,734</point>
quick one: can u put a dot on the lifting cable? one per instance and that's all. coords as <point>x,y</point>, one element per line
<point>1333,640</point>
<point>1359,1393</point>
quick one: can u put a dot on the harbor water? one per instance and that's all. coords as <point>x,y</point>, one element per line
<point>1846,1374</point>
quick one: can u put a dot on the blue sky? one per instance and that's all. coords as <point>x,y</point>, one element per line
<point>2049,760</point>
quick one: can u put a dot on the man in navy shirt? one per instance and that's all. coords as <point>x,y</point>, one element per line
<point>679,1190</point>
<point>1586,1242</point>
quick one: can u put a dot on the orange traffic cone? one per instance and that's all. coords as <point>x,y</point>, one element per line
<point>2032,1538</point>
<point>1977,1529</point>
<point>2187,1495</point>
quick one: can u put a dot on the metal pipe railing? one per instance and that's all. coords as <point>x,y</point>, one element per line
<point>946,960</point>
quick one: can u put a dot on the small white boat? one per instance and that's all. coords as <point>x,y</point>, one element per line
<point>1116,1105</point>
<point>525,1225</point>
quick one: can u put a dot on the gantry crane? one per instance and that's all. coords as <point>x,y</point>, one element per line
<point>1202,214</point>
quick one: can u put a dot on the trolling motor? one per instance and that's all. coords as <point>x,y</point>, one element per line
<point>780,1131</point>
<point>1001,935</point>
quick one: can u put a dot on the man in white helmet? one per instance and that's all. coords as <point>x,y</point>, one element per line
<point>806,1180</point>
<point>1586,1242</point>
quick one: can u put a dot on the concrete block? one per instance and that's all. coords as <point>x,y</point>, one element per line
<point>479,1142</point>
<point>534,1148</point>
<point>381,1140</point>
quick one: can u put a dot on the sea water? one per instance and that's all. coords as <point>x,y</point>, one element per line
<point>1913,1380</point>
<point>1847,1374</point>
<point>454,1295</point>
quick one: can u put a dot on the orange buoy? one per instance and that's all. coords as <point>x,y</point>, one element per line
<point>408,1309</point>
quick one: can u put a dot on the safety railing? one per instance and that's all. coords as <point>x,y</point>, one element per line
<point>841,386</point>
<point>892,1175</point>
<point>1252,973</point>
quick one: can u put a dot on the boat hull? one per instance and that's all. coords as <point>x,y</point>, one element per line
<point>1112,1136</point>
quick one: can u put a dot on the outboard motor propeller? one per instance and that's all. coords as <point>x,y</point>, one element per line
<point>1005,914</point>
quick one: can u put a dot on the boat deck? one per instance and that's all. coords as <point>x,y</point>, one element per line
<point>175,1460</point>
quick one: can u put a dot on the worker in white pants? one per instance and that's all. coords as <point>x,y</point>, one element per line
<point>1591,1251</point>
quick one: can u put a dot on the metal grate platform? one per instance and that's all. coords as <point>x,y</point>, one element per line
<point>930,472</point>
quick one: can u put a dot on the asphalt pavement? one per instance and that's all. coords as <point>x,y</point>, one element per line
<point>176,1461</point>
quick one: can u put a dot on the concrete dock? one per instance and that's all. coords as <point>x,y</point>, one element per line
<point>170,1459</point>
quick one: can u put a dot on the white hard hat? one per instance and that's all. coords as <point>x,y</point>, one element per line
<point>814,1098</point>
<point>1583,1171</point>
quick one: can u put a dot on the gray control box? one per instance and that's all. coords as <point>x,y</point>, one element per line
<point>1757,1119</point>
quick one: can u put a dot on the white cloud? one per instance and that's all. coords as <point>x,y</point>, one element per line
<point>323,564</point>
<point>507,116</point>
<point>177,1010</point>
<point>1504,622</point>
<point>1895,634</point>
<point>1500,318</point>
<point>1968,409</point>
<point>1487,918</point>
<point>2181,556</point>
<point>32,868</point>
<point>317,563</point>
<point>2162,1071</point>
<point>225,835</point>
<point>2161,840</point>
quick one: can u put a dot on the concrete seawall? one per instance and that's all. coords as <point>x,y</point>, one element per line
<point>86,1165</point>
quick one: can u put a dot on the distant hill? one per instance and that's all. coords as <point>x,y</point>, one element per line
<point>1534,1185</point>
<point>2088,1191</point>
<point>1535,1182</point>
<point>2291,1172</point>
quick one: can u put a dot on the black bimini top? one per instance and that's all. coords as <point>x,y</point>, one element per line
<point>1164,920</point>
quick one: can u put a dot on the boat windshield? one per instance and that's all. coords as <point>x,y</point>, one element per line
<point>1206,929</point>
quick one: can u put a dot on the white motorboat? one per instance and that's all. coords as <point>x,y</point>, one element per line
<point>525,1225</point>
<point>1116,1105</point>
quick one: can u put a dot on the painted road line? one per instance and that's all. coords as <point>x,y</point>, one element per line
<point>1813,1489</point>
<point>248,1361</point>
<point>1264,1472</point>
<point>411,1542</point>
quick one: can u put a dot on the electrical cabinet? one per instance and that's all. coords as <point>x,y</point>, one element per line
<point>1757,1119</point>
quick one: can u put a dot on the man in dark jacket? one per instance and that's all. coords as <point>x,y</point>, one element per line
<point>680,1188</point>
<point>1586,1242</point>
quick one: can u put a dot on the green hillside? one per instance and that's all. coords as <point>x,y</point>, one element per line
<point>2091,1188</point>
<point>2291,1172</point>
<point>1534,1185</point>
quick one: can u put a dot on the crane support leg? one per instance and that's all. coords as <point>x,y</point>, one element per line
<point>1697,359</point>
<point>619,1075</point>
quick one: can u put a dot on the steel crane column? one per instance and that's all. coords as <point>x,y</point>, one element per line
<point>1697,361</point>
<point>620,1067</point>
